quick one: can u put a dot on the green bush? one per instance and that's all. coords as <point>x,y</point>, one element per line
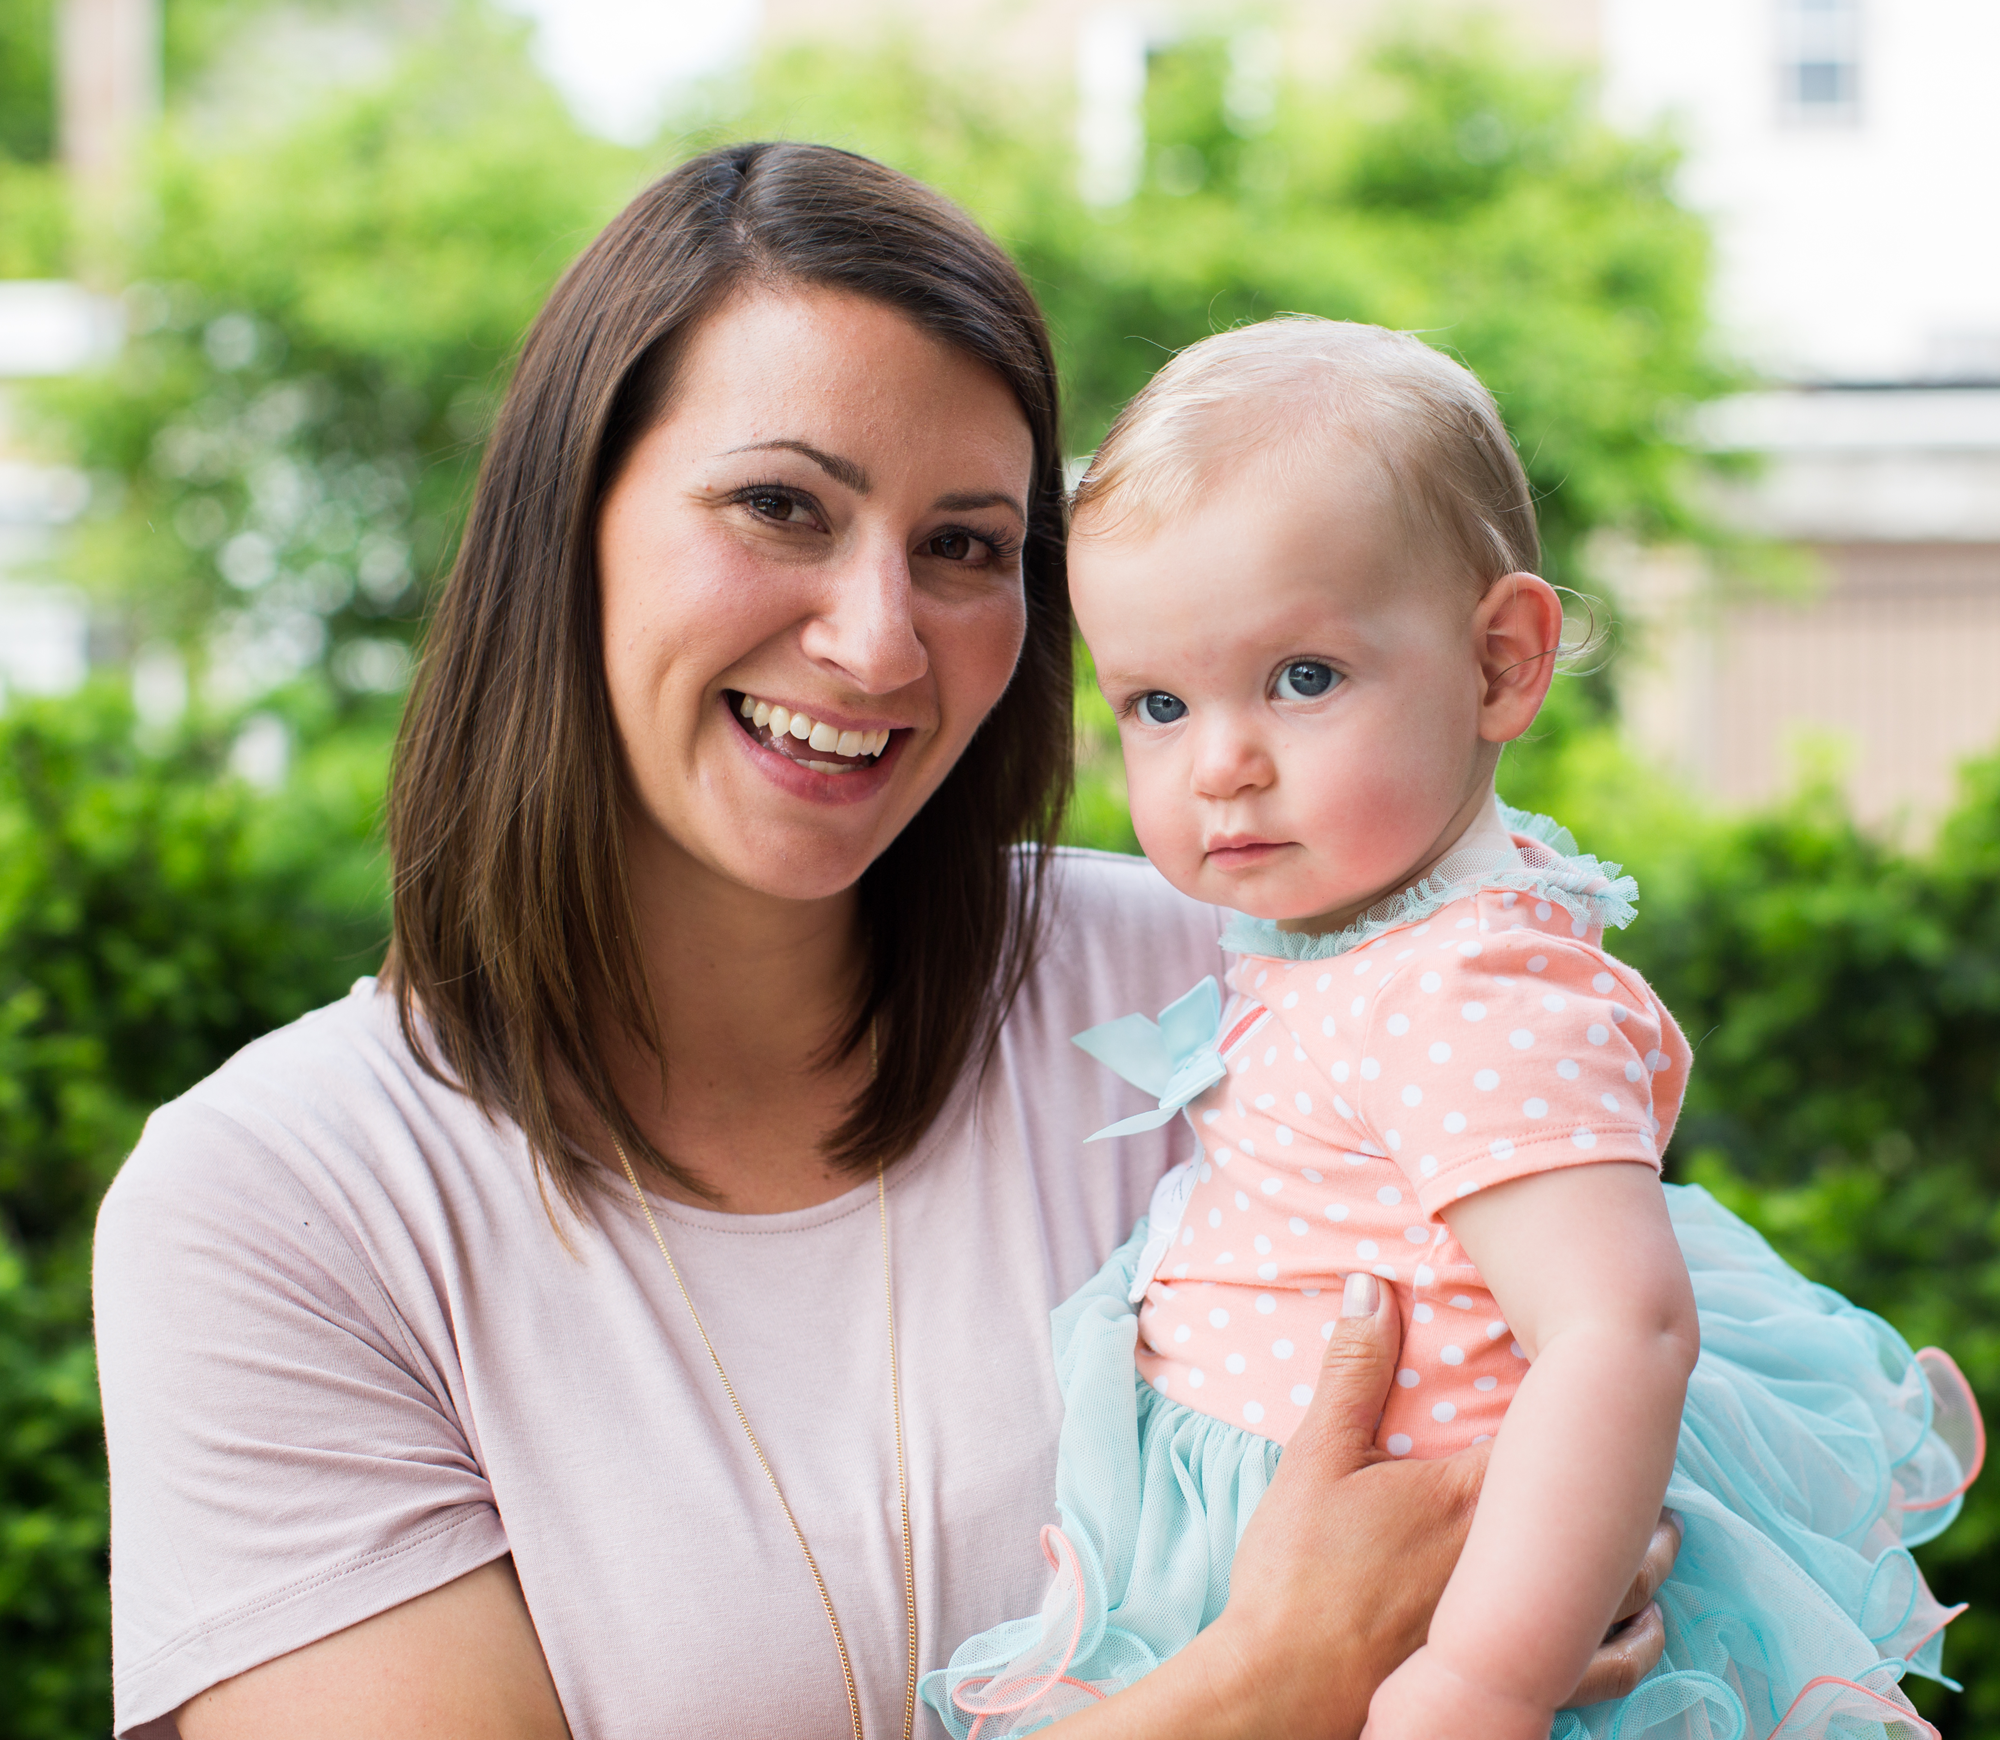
<point>156,913</point>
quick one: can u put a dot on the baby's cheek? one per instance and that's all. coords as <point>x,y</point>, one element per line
<point>1169,830</point>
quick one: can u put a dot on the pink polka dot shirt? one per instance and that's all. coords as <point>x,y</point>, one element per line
<point>1366,1092</point>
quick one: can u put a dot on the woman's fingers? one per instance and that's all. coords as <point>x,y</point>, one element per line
<point>1338,1432</point>
<point>1623,1659</point>
<point>1661,1551</point>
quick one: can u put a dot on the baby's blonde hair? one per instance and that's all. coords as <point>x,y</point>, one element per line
<point>1278,391</point>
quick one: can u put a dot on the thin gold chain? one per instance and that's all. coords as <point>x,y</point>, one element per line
<point>757,1450</point>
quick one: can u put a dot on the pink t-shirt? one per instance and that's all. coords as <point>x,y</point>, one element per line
<point>345,1359</point>
<point>1365,1093</point>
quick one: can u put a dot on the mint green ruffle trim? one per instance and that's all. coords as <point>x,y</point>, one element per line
<point>1552,869</point>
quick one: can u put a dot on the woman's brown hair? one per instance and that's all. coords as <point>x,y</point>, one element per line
<point>514,935</point>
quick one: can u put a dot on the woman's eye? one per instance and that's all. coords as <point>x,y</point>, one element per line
<point>1162,708</point>
<point>1306,681</point>
<point>784,509</point>
<point>954,546</point>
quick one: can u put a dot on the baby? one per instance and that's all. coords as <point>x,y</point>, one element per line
<point>1304,560</point>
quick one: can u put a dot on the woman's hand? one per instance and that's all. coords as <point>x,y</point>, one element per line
<point>1338,1573</point>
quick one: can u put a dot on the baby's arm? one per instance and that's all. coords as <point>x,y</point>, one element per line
<point>1586,1268</point>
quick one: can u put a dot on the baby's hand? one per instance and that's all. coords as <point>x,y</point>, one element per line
<point>1426,1700</point>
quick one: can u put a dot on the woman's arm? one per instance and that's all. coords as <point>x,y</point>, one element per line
<point>1585,1265</point>
<point>462,1660</point>
<point>1338,1574</point>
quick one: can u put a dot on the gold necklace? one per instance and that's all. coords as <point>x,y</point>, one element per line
<point>757,1450</point>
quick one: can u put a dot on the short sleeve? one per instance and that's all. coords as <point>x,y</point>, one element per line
<point>285,1461</point>
<point>1501,1050</point>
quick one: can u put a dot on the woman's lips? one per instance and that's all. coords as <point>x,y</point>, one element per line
<point>811,743</point>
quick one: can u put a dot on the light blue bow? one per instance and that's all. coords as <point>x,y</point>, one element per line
<point>1174,1057</point>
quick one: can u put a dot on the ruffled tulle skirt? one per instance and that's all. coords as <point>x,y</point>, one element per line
<point>1816,1449</point>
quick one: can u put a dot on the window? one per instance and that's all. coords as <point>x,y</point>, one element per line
<point>1819,61</point>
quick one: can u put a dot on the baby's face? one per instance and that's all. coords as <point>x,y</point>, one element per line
<point>1298,688</point>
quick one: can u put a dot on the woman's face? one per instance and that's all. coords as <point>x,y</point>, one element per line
<point>811,587</point>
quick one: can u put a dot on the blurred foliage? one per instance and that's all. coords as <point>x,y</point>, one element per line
<point>27,79</point>
<point>321,323</point>
<point>156,913</point>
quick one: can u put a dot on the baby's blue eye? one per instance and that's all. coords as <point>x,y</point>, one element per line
<point>1162,708</point>
<point>1307,680</point>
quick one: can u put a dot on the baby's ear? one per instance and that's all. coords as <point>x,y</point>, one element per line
<point>1517,637</point>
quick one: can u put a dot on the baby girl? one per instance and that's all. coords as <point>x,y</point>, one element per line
<point>1304,560</point>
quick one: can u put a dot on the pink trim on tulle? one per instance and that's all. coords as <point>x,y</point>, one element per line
<point>1928,1358</point>
<point>1950,1613</point>
<point>1018,1694</point>
<point>1899,1709</point>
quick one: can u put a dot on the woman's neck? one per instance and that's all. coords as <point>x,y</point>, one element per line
<point>749,993</point>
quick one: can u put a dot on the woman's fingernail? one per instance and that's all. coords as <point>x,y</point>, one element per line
<point>1361,1295</point>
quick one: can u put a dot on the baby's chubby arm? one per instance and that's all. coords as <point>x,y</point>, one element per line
<point>1585,1265</point>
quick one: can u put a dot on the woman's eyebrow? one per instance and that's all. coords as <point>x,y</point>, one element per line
<point>966,504</point>
<point>843,471</point>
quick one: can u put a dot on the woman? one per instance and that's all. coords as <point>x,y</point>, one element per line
<point>754,667</point>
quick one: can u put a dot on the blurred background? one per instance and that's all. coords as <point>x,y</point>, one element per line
<point>1731,266</point>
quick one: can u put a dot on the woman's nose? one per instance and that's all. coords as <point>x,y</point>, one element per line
<point>1230,761</point>
<point>865,630</point>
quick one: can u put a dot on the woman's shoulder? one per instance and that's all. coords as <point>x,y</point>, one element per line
<point>1118,893</point>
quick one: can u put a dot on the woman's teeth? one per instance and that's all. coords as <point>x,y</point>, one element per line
<point>782,722</point>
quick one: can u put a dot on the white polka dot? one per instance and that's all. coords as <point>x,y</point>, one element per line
<point>1266,1304</point>
<point>1534,1108</point>
<point>1281,1349</point>
<point>1465,924</point>
<point>1264,1102</point>
<point>1486,1080</point>
<point>1234,1364</point>
<point>1413,1096</point>
<point>1423,1278</point>
<point>1301,1393</point>
<point>1248,1146</point>
<point>1440,1052</point>
<point>1326,1330</point>
<point>1261,978</point>
<point>1361,967</point>
<point>1339,1070</point>
<point>1443,1411</point>
<point>1474,1011</point>
<point>1209,1116</point>
<point>1578,927</point>
<point>1336,1211</point>
<point>1342,1107</point>
<point>1370,1069</point>
<point>1395,1140</point>
<point>1226,1257</point>
<point>1359,1004</point>
<point>1291,1000</point>
<point>1501,1148</point>
<point>1160,1383</point>
<point>1240,1112</point>
<point>1367,1250</point>
<point>1517,1350</point>
<point>1509,898</point>
<point>1430,982</point>
<point>1542,909</point>
<point>1397,1025</point>
<point>1187,1235</point>
<point>1261,1245</point>
<point>1409,1379</point>
<point>1584,1138</point>
<point>1181,1269</point>
<point>1242,1201</point>
<point>1569,1069</point>
<point>1609,1102</point>
<point>1495,1330</point>
<point>1310,1176</point>
<point>1267,1272</point>
<point>1326,1025</point>
<point>1483,1384</point>
<point>1207,1172</point>
<point>1271,1186</point>
<point>1422,1313</point>
<point>1461,1302</point>
<point>1399,1443</point>
<point>1215,1217</point>
<point>1388,1196</point>
<point>1454,1122</point>
<point>1451,1354</point>
<point>1536,963</point>
<point>1634,1071</point>
<point>1297,1226</point>
<point>1270,1055</point>
<point>1466,1187</point>
<point>1183,1333</point>
<point>1284,1135</point>
<point>1468,949</point>
<point>1520,1039</point>
<point>1484,1438</point>
<point>1195,1377</point>
<point>1656,1061</point>
<point>1417,1235</point>
<point>1602,983</point>
<point>1218,1318</point>
<point>1619,1013</point>
<point>1552,1003</point>
<point>1597,1033</point>
<point>1428,1164</point>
